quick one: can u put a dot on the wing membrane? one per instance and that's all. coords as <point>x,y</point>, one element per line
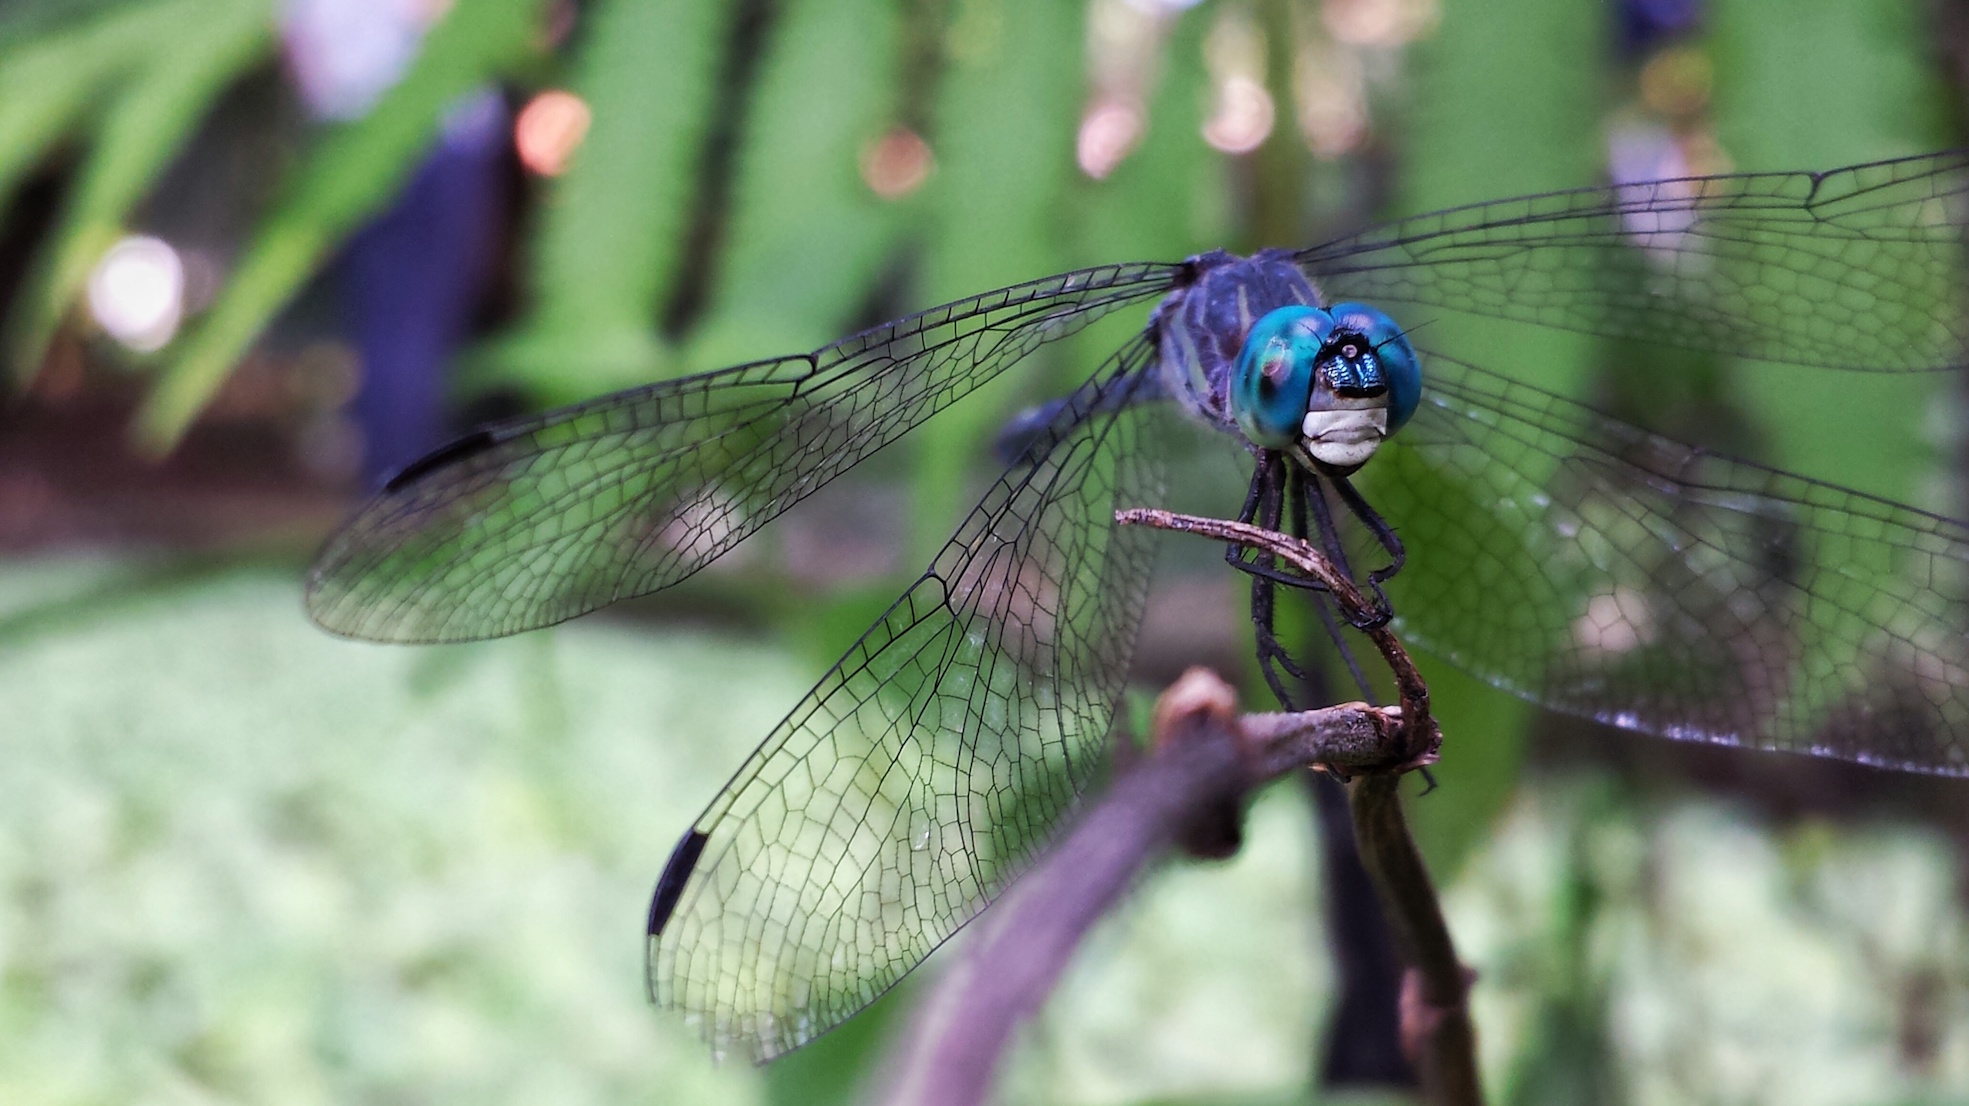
<point>538,520</point>
<point>1858,268</point>
<point>1607,572</point>
<point>927,768</point>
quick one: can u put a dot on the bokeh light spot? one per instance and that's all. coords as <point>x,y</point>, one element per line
<point>549,129</point>
<point>1380,24</point>
<point>1331,93</point>
<point>1107,133</point>
<point>1243,118</point>
<point>896,164</point>
<point>137,292</point>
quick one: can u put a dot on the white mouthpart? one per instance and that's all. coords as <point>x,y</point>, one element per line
<point>1345,439</point>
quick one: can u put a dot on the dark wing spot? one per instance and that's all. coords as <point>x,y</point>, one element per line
<point>470,445</point>
<point>670,885</point>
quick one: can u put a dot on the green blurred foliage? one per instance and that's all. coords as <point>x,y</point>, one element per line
<point>257,864</point>
<point>806,236</point>
<point>260,865</point>
<point>350,173</point>
<point>134,80</point>
<point>1641,951</point>
<point>138,78</point>
<point>608,243</point>
<point>198,51</point>
<point>1012,88</point>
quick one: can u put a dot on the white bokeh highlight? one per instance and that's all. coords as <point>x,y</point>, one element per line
<point>137,292</point>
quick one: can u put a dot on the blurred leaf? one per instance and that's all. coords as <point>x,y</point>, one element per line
<point>1484,732</point>
<point>46,82</point>
<point>1813,84</point>
<point>21,20</point>
<point>191,60</point>
<point>612,228</point>
<point>1005,122</point>
<point>354,170</point>
<point>1004,135</point>
<point>1457,541</point>
<point>1776,109</point>
<point>807,236</point>
<point>1475,84</point>
<point>1165,200</point>
<point>1780,106</point>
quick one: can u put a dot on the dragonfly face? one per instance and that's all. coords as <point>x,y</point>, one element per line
<point>1325,385</point>
<point>1554,551</point>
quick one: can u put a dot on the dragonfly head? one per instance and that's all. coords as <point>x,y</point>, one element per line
<point>1326,384</point>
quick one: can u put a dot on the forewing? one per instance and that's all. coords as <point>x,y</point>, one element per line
<point>532,522</point>
<point>1606,572</point>
<point>932,762</point>
<point>1858,268</point>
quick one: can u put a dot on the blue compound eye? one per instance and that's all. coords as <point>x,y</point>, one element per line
<point>1388,347</point>
<point>1273,378</point>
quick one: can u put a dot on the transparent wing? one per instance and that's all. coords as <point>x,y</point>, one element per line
<point>1603,571</point>
<point>1858,268</point>
<point>535,521</point>
<point>928,767</point>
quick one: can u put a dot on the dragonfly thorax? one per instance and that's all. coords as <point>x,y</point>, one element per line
<point>1326,385</point>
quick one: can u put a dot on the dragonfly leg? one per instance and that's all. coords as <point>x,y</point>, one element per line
<point>1329,535</point>
<point>1274,663</point>
<point>1305,493</point>
<point>1261,477</point>
<point>1261,502</point>
<point>1268,486</point>
<point>1262,507</point>
<point>1383,533</point>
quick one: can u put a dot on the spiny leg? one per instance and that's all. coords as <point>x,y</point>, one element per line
<point>1252,497</point>
<point>1272,657</point>
<point>1329,532</point>
<point>1383,533</point>
<point>1331,622</point>
<point>1267,487</point>
<point>1307,498</point>
<point>1279,488</point>
<point>1265,504</point>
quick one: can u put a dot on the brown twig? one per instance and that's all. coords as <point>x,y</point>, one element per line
<point>1202,755</point>
<point>1435,1014</point>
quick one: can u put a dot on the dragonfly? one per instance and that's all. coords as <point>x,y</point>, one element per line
<point>1550,549</point>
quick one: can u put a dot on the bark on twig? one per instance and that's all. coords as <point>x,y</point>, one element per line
<point>1436,1028</point>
